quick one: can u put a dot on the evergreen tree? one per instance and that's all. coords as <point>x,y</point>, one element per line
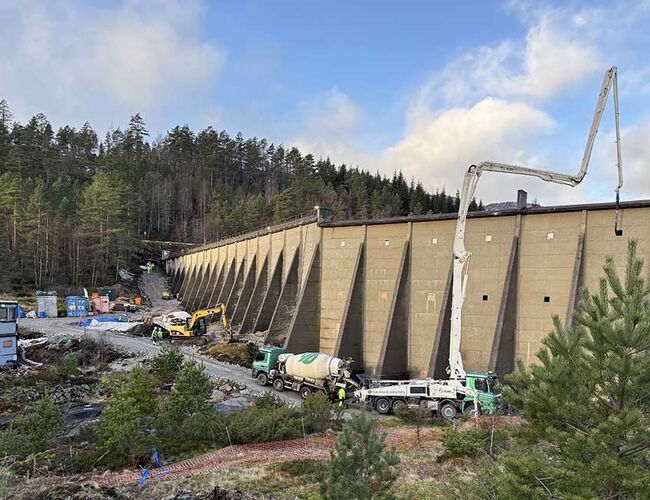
<point>122,430</point>
<point>360,467</point>
<point>191,392</point>
<point>74,207</point>
<point>587,402</point>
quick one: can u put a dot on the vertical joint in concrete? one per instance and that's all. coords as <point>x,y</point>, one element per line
<point>271,297</point>
<point>439,360</point>
<point>285,307</point>
<point>349,340</point>
<point>502,354</point>
<point>577,278</point>
<point>393,356</point>
<point>304,331</point>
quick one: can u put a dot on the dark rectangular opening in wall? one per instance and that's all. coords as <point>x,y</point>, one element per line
<point>485,297</point>
<point>547,298</point>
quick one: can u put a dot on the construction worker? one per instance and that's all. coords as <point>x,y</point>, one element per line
<point>341,395</point>
<point>149,267</point>
<point>156,335</point>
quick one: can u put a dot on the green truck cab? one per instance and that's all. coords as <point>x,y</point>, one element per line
<point>486,384</point>
<point>266,360</point>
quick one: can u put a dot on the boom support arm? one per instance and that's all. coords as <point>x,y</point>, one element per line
<point>462,256</point>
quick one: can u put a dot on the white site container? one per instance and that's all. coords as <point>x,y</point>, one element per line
<point>313,365</point>
<point>46,304</point>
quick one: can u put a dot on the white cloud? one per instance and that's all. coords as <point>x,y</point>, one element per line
<point>330,121</point>
<point>636,162</point>
<point>552,59</point>
<point>439,150</point>
<point>76,59</point>
<point>141,60</point>
<point>480,107</point>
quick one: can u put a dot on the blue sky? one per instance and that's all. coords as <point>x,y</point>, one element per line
<point>422,86</point>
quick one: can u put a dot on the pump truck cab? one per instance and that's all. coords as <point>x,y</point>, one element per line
<point>305,373</point>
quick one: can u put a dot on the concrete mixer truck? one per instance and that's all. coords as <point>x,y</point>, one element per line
<point>305,373</point>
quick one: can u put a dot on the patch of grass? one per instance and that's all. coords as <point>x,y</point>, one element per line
<point>299,468</point>
<point>7,479</point>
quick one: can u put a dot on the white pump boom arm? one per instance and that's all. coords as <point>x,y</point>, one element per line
<point>462,256</point>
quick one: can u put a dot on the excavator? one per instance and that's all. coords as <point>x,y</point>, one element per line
<point>476,392</point>
<point>195,325</point>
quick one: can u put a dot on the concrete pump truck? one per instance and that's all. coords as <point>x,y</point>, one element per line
<point>472,392</point>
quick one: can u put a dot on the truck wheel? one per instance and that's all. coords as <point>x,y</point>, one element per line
<point>305,391</point>
<point>278,384</point>
<point>262,378</point>
<point>448,411</point>
<point>397,404</point>
<point>382,405</point>
<point>469,410</point>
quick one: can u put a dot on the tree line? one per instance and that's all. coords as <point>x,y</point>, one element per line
<point>74,208</point>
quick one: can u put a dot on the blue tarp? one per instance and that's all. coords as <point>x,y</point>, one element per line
<point>20,312</point>
<point>102,319</point>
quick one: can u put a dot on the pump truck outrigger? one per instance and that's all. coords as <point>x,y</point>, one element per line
<point>476,391</point>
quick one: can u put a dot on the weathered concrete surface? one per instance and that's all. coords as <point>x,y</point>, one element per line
<point>378,291</point>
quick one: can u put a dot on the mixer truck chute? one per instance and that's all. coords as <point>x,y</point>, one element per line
<point>305,373</point>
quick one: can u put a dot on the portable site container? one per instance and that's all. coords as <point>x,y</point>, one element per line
<point>76,306</point>
<point>8,334</point>
<point>101,304</point>
<point>46,306</point>
<point>111,293</point>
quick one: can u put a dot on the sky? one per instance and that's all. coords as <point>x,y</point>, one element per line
<point>425,87</point>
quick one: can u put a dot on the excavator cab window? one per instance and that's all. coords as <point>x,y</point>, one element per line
<point>200,328</point>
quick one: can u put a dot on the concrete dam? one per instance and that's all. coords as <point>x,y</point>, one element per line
<point>379,291</point>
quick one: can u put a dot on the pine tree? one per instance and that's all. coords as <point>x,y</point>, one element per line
<point>122,430</point>
<point>360,467</point>
<point>191,392</point>
<point>587,402</point>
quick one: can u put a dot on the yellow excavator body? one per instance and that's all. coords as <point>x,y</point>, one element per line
<point>196,324</point>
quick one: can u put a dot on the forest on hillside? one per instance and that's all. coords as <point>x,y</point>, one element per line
<point>74,207</point>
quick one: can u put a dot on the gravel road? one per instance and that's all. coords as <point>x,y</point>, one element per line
<point>151,286</point>
<point>143,345</point>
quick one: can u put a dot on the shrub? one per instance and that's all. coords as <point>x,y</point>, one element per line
<point>360,466</point>
<point>69,365</point>
<point>415,415</point>
<point>268,400</point>
<point>122,429</point>
<point>468,442</point>
<point>262,423</point>
<point>35,432</point>
<point>167,364</point>
<point>44,425</point>
<point>319,413</point>
<point>191,392</point>
<point>141,389</point>
<point>194,434</point>
<point>13,444</point>
<point>475,441</point>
